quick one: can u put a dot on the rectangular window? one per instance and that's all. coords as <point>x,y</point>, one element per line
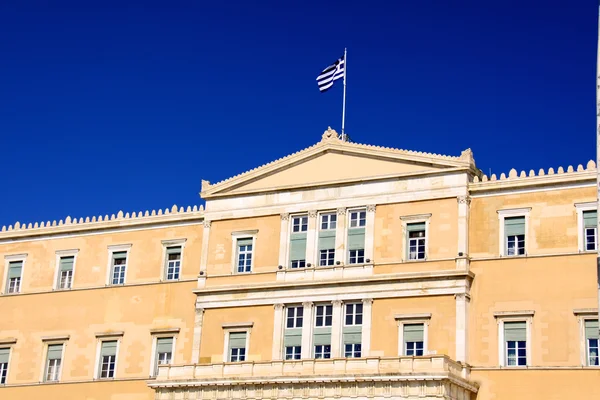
<point>590,234</point>
<point>352,350</point>
<point>4,354</point>
<point>514,232</point>
<point>328,222</point>
<point>358,219</point>
<point>65,272</point>
<point>324,316</point>
<point>591,342</point>
<point>323,351</point>
<point>326,257</point>
<point>354,314</point>
<point>357,257</point>
<point>53,362</point>
<point>13,283</point>
<point>356,237</point>
<point>293,352</point>
<point>173,263</point>
<point>164,352</point>
<point>119,266</point>
<point>298,241</point>
<point>515,339</point>
<point>294,317</point>
<point>413,339</point>
<point>244,255</point>
<point>108,359</point>
<point>416,240</point>
<point>237,346</point>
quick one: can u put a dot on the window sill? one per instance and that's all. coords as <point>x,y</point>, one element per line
<point>325,272</point>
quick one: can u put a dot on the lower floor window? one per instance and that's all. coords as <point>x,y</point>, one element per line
<point>107,368</point>
<point>593,352</point>
<point>590,239</point>
<point>292,352</point>
<point>3,372</point>
<point>66,277</point>
<point>357,256</point>
<point>414,348</point>
<point>237,354</point>
<point>516,352</point>
<point>352,350</point>
<point>14,285</point>
<point>53,370</point>
<point>322,351</point>
<point>298,263</point>
<point>326,257</point>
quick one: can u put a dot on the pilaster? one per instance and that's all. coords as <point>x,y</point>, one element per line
<point>277,331</point>
<point>370,233</point>
<point>463,232</point>
<point>462,327</point>
<point>366,328</point>
<point>311,239</point>
<point>340,236</point>
<point>307,330</point>
<point>198,318</point>
<point>284,239</point>
<point>204,254</point>
<point>336,329</point>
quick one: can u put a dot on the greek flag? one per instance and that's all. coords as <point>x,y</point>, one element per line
<point>330,74</point>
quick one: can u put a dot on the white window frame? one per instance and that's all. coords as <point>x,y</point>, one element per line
<point>349,213</point>
<point>580,208</point>
<point>235,236</point>
<point>294,216</point>
<point>171,243</point>
<point>7,260</point>
<point>236,327</point>
<point>162,333</point>
<point>353,349</point>
<point>327,259</point>
<point>409,319</point>
<point>293,354</point>
<point>60,254</point>
<point>583,315</point>
<point>10,343</point>
<point>323,358</point>
<point>107,337</point>
<point>508,213</point>
<point>362,314</point>
<point>329,214</point>
<point>296,307</point>
<point>116,249</point>
<point>414,219</point>
<point>47,341</point>
<point>514,316</point>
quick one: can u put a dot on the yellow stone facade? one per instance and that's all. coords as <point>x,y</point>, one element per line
<point>425,291</point>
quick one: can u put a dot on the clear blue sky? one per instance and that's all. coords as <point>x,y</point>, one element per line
<point>108,106</point>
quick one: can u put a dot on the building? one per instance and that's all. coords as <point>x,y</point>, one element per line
<point>341,271</point>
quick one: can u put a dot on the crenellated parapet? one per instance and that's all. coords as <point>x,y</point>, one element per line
<point>119,219</point>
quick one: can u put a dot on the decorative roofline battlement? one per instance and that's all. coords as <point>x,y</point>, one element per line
<point>102,222</point>
<point>513,174</point>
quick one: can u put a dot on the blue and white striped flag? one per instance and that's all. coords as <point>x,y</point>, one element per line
<point>330,74</point>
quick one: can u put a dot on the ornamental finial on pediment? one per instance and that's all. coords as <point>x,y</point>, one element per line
<point>330,134</point>
<point>205,185</point>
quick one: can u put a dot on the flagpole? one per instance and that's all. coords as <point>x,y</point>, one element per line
<point>598,158</point>
<point>344,101</point>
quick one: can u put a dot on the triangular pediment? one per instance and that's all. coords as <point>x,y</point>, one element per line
<point>334,161</point>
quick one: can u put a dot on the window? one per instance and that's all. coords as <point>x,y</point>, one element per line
<point>173,263</point>
<point>323,316</point>
<point>65,272</point>
<point>358,219</point>
<point>357,257</point>
<point>53,362</point>
<point>590,221</point>
<point>237,346</point>
<point>515,340</point>
<point>164,352</point>
<point>108,359</point>
<point>13,282</point>
<point>515,235</point>
<point>298,241</point>
<point>326,257</point>
<point>416,240</point>
<point>294,317</point>
<point>354,314</point>
<point>4,354</point>
<point>413,339</point>
<point>300,224</point>
<point>328,221</point>
<point>292,352</point>
<point>323,351</point>
<point>244,255</point>
<point>352,350</point>
<point>591,342</point>
<point>119,266</point>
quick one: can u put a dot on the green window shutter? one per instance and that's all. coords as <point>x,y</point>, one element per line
<point>66,263</point>
<point>326,240</point>
<point>174,250</point>
<point>119,254</point>
<point>55,351</point>
<point>515,331</point>
<point>514,226</point>
<point>356,239</point>
<point>244,242</point>
<point>164,345</point>
<point>237,340</point>
<point>590,219</point>
<point>298,246</point>
<point>108,348</point>
<point>352,334</point>
<point>322,336</point>
<point>419,226</point>
<point>413,332</point>
<point>293,337</point>
<point>4,353</point>
<point>14,269</point>
<point>591,329</point>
